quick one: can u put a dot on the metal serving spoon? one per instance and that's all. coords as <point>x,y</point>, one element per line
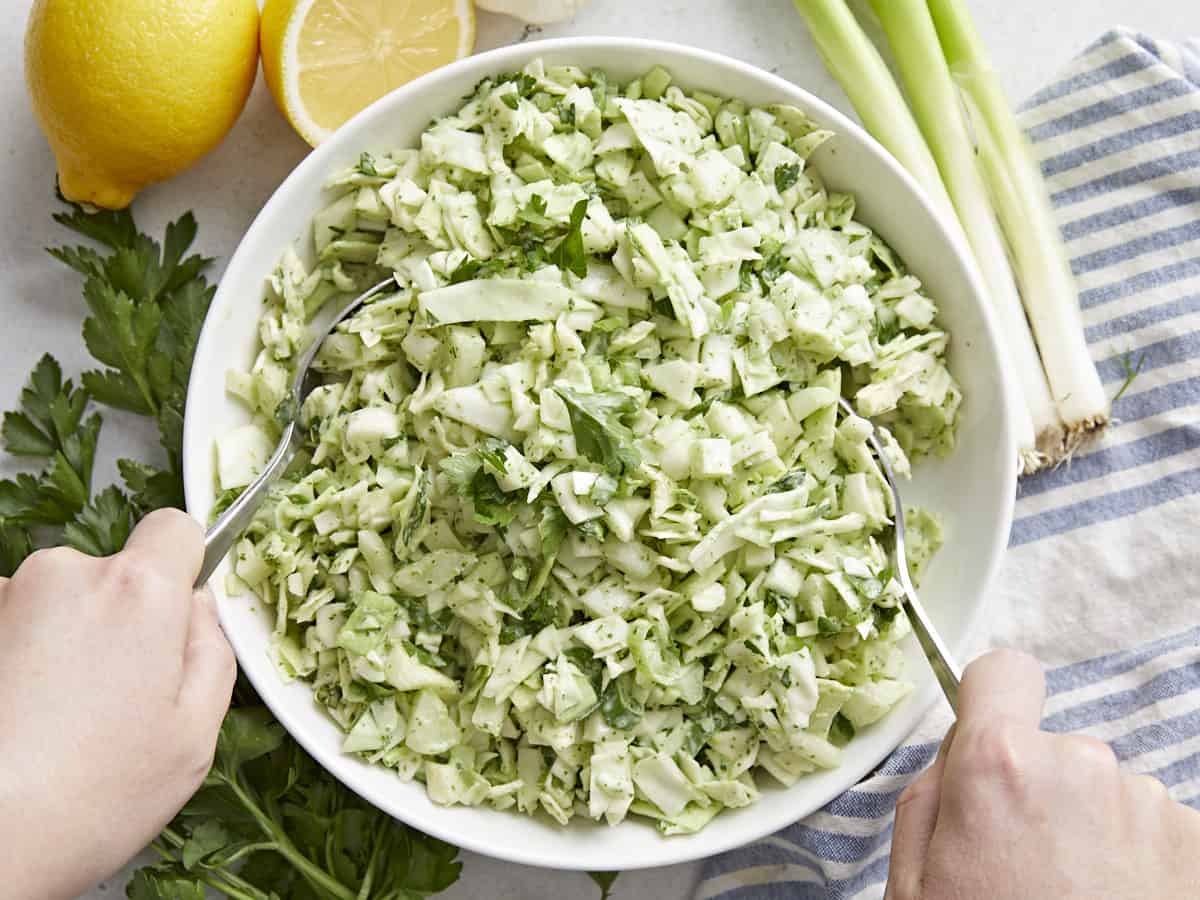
<point>945,668</point>
<point>228,528</point>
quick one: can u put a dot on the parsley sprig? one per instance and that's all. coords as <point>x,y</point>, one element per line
<point>604,881</point>
<point>54,427</point>
<point>1132,368</point>
<point>472,473</point>
<point>49,426</point>
<point>146,306</point>
<point>531,235</point>
<point>269,823</point>
<point>600,434</point>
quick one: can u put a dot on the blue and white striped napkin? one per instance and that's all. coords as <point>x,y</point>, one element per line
<point>1102,578</point>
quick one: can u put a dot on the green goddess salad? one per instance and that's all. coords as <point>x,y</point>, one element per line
<point>579,527</point>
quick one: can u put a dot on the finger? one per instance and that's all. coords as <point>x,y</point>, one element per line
<point>916,819</point>
<point>56,570</point>
<point>1146,786</point>
<point>170,543</point>
<point>209,668</point>
<point>1087,752</point>
<point>1004,685</point>
<point>151,581</point>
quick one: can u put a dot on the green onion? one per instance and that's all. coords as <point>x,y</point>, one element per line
<point>1023,206</point>
<point>961,198</point>
<point>849,54</point>
<point>935,103</point>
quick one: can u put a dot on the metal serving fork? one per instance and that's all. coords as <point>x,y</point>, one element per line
<point>944,666</point>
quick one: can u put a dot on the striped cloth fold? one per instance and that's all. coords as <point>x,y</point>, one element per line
<point>1102,578</point>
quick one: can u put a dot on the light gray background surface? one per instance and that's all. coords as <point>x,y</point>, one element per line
<point>41,306</point>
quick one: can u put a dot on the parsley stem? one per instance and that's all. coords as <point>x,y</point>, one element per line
<point>315,876</point>
<point>247,850</point>
<point>364,892</point>
<point>226,882</point>
<point>170,835</point>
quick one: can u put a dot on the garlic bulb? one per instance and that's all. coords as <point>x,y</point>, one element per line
<point>536,12</point>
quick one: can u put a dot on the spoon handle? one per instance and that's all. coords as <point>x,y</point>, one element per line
<point>225,531</point>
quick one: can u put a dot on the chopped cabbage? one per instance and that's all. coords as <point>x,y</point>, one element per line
<point>579,528</point>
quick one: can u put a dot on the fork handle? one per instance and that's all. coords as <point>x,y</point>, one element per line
<point>944,666</point>
<point>229,526</point>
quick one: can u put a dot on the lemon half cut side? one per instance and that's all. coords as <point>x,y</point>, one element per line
<point>326,60</point>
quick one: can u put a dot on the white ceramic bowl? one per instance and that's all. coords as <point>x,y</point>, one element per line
<point>973,489</point>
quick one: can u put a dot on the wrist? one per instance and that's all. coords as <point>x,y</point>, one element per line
<point>15,815</point>
<point>38,861</point>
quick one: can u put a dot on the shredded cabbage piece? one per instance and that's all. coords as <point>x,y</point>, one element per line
<point>579,528</point>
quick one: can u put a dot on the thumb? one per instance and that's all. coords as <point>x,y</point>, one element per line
<point>209,667</point>
<point>916,819</point>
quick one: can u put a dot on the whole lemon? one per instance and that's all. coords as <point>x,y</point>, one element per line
<point>131,92</point>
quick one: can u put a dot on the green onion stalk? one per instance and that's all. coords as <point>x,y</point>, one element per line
<point>1021,201</point>
<point>853,60</point>
<point>936,149</point>
<point>935,104</point>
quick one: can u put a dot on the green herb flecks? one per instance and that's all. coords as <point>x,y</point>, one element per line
<point>420,508</point>
<point>366,165</point>
<point>788,482</point>
<point>786,176</point>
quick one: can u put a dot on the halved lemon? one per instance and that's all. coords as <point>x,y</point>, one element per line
<point>326,60</point>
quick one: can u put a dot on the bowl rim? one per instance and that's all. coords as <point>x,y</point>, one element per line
<point>325,156</point>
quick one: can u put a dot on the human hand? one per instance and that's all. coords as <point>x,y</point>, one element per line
<point>1007,811</point>
<point>114,678</point>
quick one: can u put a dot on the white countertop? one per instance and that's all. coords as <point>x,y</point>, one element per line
<point>42,305</point>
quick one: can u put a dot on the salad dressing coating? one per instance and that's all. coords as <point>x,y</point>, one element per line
<point>579,528</point>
